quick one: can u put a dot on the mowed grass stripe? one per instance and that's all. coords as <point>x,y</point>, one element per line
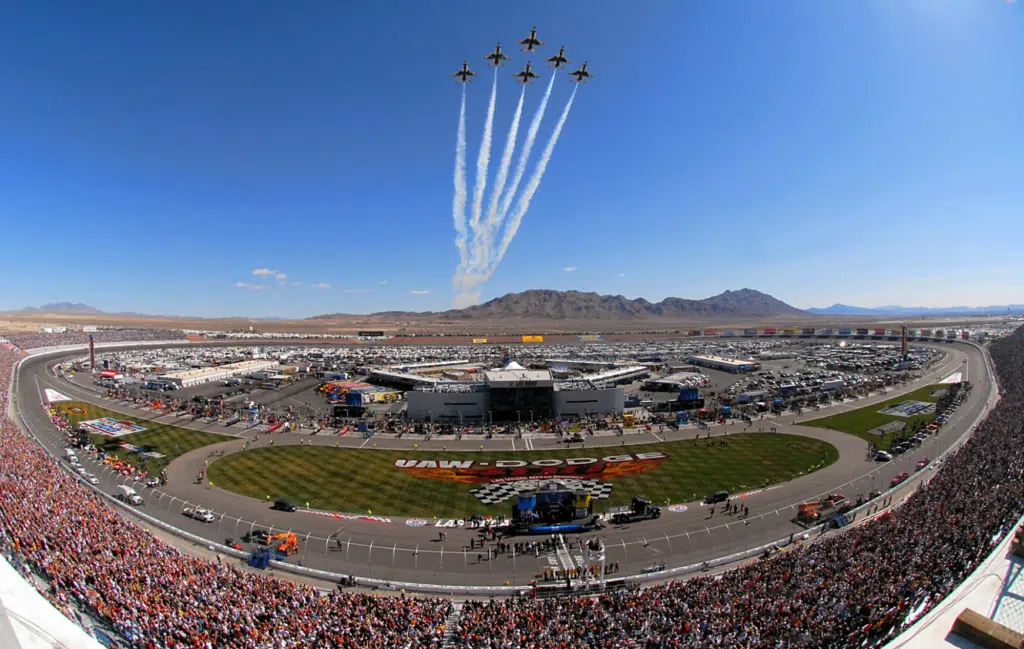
<point>172,441</point>
<point>858,422</point>
<point>360,480</point>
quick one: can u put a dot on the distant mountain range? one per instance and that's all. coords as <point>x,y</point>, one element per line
<point>894,310</point>
<point>62,308</point>
<point>576,305</point>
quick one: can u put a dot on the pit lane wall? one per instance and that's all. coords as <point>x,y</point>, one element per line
<point>480,591</point>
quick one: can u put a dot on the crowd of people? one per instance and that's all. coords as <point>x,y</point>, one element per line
<point>154,596</point>
<point>853,589</point>
<point>38,340</point>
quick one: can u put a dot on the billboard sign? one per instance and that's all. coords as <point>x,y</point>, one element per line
<point>807,331</point>
<point>862,332</point>
<point>963,335</point>
<point>371,334</point>
<point>479,341</point>
<point>750,332</point>
<point>827,332</point>
<point>590,337</point>
<point>710,332</point>
<point>693,332</point>
<point>939,333</point>
<point>879,332</point>
<point>533,339</point>
<point>769,331</point>
<point>844,332</point>
<point>729,332</point>
<point>788,332</point>
<point>925,333</point>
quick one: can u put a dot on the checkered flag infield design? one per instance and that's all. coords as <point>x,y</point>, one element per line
<point>496,492</point>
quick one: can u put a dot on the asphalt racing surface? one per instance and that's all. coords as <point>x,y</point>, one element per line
<point>411,550</point>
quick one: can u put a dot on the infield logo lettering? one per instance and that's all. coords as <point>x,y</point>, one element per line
<point>579,468</point>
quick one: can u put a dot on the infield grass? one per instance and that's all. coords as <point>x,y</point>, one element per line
<point>361,480</point>
<point>858,422</point>
<point>172,441</point>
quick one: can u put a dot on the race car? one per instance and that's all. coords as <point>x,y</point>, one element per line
<point>900,477</point>
<point>922,463</point>
<point>198,514</point>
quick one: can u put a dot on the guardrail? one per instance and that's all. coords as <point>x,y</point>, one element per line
<point>513,589</point>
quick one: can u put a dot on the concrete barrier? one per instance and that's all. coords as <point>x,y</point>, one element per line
<point>989,634</point>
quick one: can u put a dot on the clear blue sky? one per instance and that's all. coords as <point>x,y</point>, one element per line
<point>153,155</point>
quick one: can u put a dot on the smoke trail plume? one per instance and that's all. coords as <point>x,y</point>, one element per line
<point>524,155</point>
<point>459,202</point>
<point>483,242</point>
<point>531,187</point>
<point>482,162</point>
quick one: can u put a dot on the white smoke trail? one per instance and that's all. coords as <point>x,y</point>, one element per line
<point>482,162</point>
<point>524,155</point>
<point>459,202</point>
<point>483,242</point>
<point>531,187</point>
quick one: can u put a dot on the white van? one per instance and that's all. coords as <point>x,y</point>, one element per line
<point>128,495</point>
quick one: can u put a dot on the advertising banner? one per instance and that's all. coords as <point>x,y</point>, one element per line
<point>111,427</point>
<point>479,340</point>
<point>590,337</point>
<point>788,332</point>
<point>879,332</point>
<point>769,331</point>
<point>710,332</point>
<point>749,332</point>
<point>533,339</point>
<point>862,332</point>
<point>827,332</point>
<point>844,332</point>
<point>693,332</point>
<point>371,334</point>
<point>475,472</point>
<point>808,331</point>
<point>729,332</point>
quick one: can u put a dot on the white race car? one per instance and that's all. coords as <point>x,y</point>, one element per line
<point>199,514</point>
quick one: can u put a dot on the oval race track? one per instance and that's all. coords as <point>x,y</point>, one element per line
<point>396,551</point>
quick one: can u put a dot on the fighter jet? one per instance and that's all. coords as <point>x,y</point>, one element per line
<point>531,42</point>
<point>581,74</point>
<point>496,57</point>
<point>464,74</point>
<point>558,60</point>
<point>526,75</point>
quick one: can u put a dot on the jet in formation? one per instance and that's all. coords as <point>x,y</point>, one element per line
<point>558,60</point>
<point>464,74</point>
<point>526,75</point>
<point>496,57</point>
<point>581,74</point>
<point>531,42</point>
